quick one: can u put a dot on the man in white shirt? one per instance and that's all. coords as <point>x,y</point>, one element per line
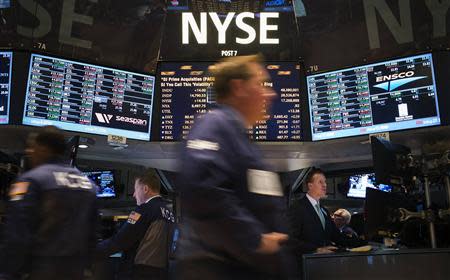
<point>312,229</point>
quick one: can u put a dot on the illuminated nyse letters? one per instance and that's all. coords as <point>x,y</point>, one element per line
<point>200,32</point>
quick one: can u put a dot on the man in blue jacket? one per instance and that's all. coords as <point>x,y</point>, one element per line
<point>51,215</point>
<point>232,205</point>
<point>146,236</point>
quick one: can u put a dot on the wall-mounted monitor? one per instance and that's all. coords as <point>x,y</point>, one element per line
<point>358,184</point>
<point>187,91</point>
<point>386,96</point>
<point>88,98</point>
<point>105,182</point>
<point>5,85</point>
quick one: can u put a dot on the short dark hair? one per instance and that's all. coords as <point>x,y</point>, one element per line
<point>52,138</point>
<point>232,68</point>
<point>148,178</point>
<point>314,171</point>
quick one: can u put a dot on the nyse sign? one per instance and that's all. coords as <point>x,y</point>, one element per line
<point>200,31</point>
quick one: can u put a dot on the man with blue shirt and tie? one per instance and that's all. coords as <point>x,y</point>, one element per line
<point>312,230</point>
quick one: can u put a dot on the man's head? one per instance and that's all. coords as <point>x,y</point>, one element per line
<point>341,217</point>
<point>47,144</point>
<point>146,185</point>
<point>241,82</point>
<point>317,184</point>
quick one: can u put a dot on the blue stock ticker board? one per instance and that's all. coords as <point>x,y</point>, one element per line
<point>187,92</point>
<point>88,98</point>
<point>386,96</point>
<point>5,85</point>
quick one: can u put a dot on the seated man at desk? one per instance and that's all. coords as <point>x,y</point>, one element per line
<point>144,237</point>
<point>312,230</point>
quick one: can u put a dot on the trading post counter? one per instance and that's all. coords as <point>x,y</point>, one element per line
<point>410,264</point>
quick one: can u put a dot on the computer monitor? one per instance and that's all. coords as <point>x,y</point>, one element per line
<point>381,211</point>
<point>187,90</point>
<point>88,98</point>
<point>390,161</point>
<point>105,181</point>
<point>5,86</point>
<point>358,184</point>
<point>385,96</point>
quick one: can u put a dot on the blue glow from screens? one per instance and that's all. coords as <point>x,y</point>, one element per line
<point>177,5</point>
<point>4,4</point>
<point>88,98</point>
<point>278,6</point>
<point>104,180</point>
<point>386,96</point>
<point>360,182</point>
<point>5,86</point>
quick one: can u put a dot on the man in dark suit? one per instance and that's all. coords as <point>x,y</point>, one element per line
<point>312,230</point>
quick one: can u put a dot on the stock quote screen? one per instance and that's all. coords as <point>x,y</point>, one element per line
<point>187,91</point>
<point>88,98</point>
<point>5,85</point>
<point>386,96</point>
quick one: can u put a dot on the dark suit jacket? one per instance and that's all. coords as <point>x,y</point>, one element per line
<point>307,233</point>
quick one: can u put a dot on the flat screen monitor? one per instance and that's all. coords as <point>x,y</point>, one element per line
<point>187,91</point>
<point>105,182</point>
<point>386,96</point>
<point>278,6</point>
<point>381,211</point>
<point>5,85</point>
<point>88,98</point>
<point>391,162</point>
<point>359,183</point>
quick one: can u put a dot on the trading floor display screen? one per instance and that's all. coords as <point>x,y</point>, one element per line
<point>187,92</point>
<point>104,180</point>
<point>88,98</point>
<point>5,85</point>
<point>386,96</point>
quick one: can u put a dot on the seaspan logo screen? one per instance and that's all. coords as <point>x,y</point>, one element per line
<point>133,121</point>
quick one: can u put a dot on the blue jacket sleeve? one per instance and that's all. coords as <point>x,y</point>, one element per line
<point>21,218</point>
<point>210,195</point>
<point>131,232</point>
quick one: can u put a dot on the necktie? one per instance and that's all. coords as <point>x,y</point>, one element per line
<point>321,216</point>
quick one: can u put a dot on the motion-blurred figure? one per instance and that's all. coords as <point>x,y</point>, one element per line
<point>232,205</point>
<point>51,215</point>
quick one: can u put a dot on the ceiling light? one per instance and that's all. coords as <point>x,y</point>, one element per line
<point>83,146</point>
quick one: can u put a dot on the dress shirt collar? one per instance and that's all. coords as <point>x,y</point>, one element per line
<point>152,197</point>
<point>312,200</point>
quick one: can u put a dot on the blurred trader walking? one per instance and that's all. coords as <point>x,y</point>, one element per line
<point>51,215</point>
<point>232,205</point>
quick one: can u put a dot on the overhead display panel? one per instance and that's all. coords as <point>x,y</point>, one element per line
<point>386,96</point>
<point>187,91</point>
<point>5,85</point>
<point>88,98</point>
<point>209,30</point>
<point>278,6</point>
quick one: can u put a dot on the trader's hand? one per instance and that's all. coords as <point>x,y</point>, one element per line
<point>270,242</point>
<point>326,250</point>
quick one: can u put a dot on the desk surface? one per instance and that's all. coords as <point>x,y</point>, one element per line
<point>378,252</point>
<point>402,264</point>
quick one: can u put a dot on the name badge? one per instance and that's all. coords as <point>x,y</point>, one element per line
<point>264,182</point>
